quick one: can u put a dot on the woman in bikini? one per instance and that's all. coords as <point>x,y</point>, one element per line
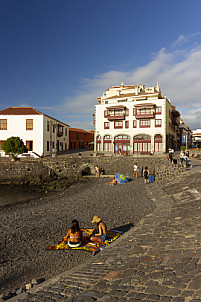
<point>74,235</point>
<point>100,232</point>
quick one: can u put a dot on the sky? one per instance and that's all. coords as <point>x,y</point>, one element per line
<point>58,56</point>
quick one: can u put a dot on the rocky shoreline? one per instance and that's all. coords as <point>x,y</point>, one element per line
<point>29,228</point>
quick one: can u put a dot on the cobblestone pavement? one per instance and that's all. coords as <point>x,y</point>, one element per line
<point>157,260</point>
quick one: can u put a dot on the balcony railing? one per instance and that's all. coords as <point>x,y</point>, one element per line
<point>145,115</point>
<point>115,117</point>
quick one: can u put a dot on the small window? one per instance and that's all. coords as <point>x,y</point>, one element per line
<point>127,111</point>
<point>145,123</point>
<point>3,124</point>
<point>53,145</point>
<point>106,113</point>
<point>158,123</point>
<point>48,126</point>
<point>134,111</point>
<point>29,124</point>
<point>126,124</point>
<point>106,102</point>
<point>77,135</point>
<point>65,131</point>
<point>118,125</point>
<point>48,146</point>
<point>106,125</point>
<point>158,110</point>
<point>1,145</point>
<point>134,124</point>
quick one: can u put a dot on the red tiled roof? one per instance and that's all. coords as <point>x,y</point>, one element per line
<point>19,111</point>
<point>25,111</point>
<point>78,130</point>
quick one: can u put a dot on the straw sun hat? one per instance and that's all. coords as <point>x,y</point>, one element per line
<point>96,219</point>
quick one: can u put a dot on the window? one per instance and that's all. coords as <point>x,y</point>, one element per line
<point>158,109</point>
<point>48,126</point>
<point>127,111</point>
<point>29,124</point>
<point>145,123</point>
<point>144,111</point>
<point>118,125</point>
<point>3,124</point>
<point>158,123</point>
<point>53,130</point>
<point>53,145</point>
<point>48,146</point>
<point>65,131</point>
<point>106,113</point>
<point>126,124</point>
<point>106,102</point>
<point>134,111</point>
<point>77,135</point>
<point>1,145</point>
<point>134,124</point>
<point>29,145</point>
<point>106,125</point>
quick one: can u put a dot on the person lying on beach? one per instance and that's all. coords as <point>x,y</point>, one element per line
<point>74,235</point>
<point>99,234</point>
<point>113,182</point>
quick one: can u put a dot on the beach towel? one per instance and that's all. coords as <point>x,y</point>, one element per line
<point>88,246</point>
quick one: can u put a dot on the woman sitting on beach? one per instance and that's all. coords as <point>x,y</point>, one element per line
<point>113,182</point>
<point>99,234</point>
<point>74,235</point>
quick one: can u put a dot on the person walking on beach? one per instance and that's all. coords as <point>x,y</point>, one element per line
<point>99,234</point>
<point>146,175</point>
<point>135,170</point>
<point>74,235</point>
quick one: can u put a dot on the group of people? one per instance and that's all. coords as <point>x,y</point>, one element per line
<point>185,157</point>
<point>145,172</point>
<point>75,237</point>
<point>99,171</point>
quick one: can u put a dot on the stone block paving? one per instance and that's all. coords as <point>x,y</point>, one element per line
<point>157,260</point>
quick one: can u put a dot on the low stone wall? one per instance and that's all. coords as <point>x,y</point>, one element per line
<point>28,171</point>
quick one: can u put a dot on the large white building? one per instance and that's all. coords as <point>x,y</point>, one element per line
<point>135,119</point>
<point>40,133</point>
<point>196,138</point>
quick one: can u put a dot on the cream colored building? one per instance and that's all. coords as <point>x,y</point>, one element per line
<point>39,132</point>
<point>135,119</point>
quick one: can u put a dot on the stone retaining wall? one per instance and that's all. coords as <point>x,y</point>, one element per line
<point>28,171</point>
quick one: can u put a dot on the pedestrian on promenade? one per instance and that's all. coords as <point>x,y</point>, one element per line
<point>135,170</point>
<point>97,169</point>
<point>99,234</point>
<point>170,156</point>
<point>113,182</point>
<point>182,156</point>
<point>74,236</point>
<point>146,175</point>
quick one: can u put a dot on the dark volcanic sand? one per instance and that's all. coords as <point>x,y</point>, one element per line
<point>29,228</point>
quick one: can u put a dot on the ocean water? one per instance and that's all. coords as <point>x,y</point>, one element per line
<point>10,195</point>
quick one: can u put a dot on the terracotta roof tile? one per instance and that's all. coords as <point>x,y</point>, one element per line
<point>19,111</point>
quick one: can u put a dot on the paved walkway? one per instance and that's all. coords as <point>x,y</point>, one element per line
<point>157,260</point>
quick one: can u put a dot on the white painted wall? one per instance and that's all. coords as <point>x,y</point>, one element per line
<point>152,131</point>
<point>16,126</point>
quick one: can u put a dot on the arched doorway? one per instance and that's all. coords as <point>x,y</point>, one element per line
<point>107,143</point>
<point>98,143</point>
<point>142,143</point>
<point>122,144</point>
<point>158,143</point>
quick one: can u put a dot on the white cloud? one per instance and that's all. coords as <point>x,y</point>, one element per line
<point>177,71</point>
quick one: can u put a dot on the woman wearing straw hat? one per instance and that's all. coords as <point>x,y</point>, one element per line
<point>101,230</point>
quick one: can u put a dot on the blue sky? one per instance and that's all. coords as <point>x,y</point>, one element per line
<point>60,55</point>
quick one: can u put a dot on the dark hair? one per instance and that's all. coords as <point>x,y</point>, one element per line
<point>146,168</point>
<point>75,226</point>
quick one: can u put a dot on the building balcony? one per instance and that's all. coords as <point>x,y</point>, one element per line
<point>116,117</point>
<point>147,115</point>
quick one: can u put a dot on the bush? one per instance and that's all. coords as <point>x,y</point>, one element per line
<point>14,145</point>
<point>183,148</point>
